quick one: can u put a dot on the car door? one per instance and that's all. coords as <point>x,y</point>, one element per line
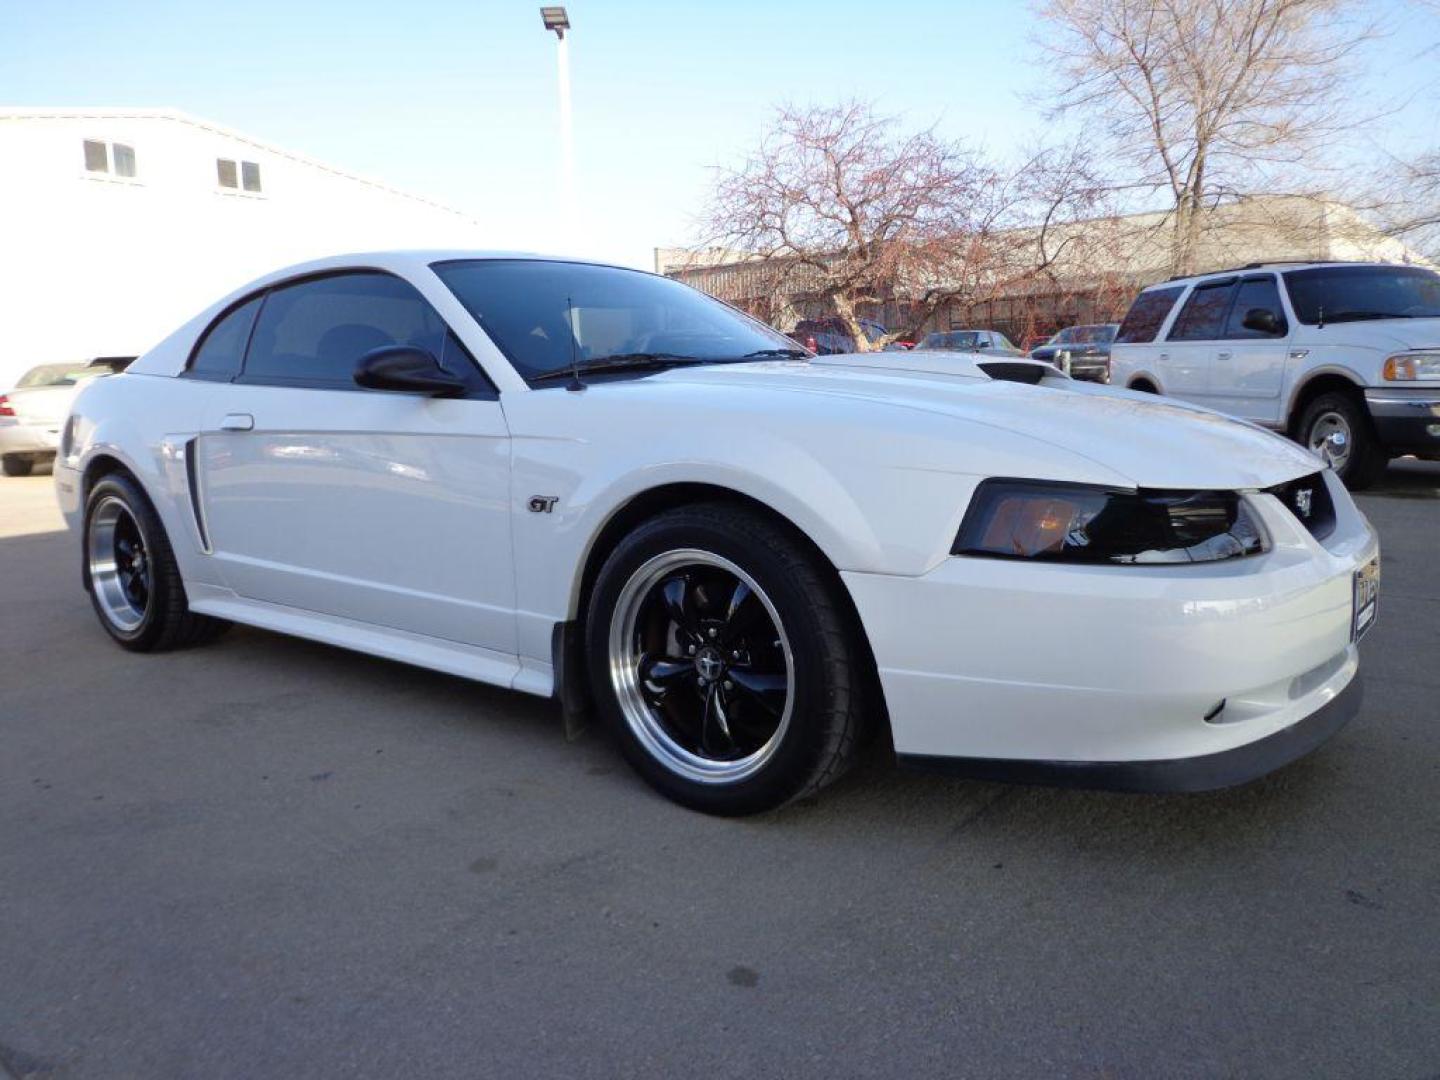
<point>1187,356</point>
<point>1249,366</point>
<point>385,508</point>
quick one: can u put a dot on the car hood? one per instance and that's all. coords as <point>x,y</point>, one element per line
<point>1147,441</point>
<point>1387,334</point>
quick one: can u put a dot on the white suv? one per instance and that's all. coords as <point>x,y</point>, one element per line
<point>1342,357</point>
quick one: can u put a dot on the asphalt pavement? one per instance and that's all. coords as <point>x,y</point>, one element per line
<point>270,858</point>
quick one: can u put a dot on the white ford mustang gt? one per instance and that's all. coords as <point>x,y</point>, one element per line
<point>594,483</point>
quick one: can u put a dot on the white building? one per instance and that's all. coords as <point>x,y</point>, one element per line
<point>118,224</point>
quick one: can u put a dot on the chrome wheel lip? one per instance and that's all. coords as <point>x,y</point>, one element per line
<point>1323,438</point>
<point>103,561</point>
<point>625,661</point>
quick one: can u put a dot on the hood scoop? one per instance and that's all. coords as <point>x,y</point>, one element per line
<point>1021,371</point>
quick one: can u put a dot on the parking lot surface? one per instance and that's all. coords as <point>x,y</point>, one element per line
<point>273,858</point>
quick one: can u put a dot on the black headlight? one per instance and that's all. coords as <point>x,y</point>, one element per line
<point>1030,519</point>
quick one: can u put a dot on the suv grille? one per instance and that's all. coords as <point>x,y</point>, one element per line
<point>1309,500</point>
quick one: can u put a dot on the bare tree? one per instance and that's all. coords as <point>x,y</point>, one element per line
<point>838,205</point>
<point>1204,99</point>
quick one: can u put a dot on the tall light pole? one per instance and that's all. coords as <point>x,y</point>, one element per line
<point>556,19</point>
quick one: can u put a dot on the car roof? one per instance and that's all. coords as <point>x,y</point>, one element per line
<point>1273,264</point>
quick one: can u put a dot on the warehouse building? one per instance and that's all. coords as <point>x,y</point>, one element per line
<point>119,224</point>
<point>1095,270</point>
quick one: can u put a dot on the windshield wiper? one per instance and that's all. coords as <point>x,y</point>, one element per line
<point>636,361</point>
<point>775,352</point>
<point>1358,316</point>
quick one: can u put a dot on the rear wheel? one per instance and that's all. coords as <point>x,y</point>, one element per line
<point>724,660</point>
<point>134,582</point>
<point>1338,429</point>
<point>17,465</point>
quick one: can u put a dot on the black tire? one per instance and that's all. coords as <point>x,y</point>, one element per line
<point>17,465</point>
<point>167,621</point>
<point>1366,461</point>
<point>827,708</point>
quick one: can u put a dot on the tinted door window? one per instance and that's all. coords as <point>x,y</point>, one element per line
<point>313,333</point>
<point>220,351</point>
<point>1203,316</point>
<point>1147,315</point>
<point>1255,293</point>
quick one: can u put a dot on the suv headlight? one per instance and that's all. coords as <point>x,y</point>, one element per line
<point>1412,367</point>
<point>1030,519</point>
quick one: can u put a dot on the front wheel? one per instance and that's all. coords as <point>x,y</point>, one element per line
<point>722,656</point>
<point>1337,428</point>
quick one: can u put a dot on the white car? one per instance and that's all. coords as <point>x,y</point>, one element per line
<point>589,482</point>
<point>1344,357</point>
<point>31,415</point>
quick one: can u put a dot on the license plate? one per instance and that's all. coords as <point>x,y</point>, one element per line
<point>1367,598</point>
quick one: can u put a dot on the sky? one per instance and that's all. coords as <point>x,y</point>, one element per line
<point>458,101</point>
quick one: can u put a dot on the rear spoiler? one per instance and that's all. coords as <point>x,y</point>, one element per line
<point>117,364</point>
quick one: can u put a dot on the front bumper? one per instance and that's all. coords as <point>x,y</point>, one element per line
<point>1048,669</point>
<point>1407,419</point>
<point>1205,772</point>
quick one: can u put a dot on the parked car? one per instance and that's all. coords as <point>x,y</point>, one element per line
<point>601,485</point>
<point>990,342</point>
<point>825,337</point>
<point>1082,351</point>
<point>32,413</point>
<point>1343,357</point>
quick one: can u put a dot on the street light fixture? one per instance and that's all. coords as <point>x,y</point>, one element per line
<point>555,19</point>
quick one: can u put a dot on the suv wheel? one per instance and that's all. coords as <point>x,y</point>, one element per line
<point>725,661</point>
<point>1337,428</point>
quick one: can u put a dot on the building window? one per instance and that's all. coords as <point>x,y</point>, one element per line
<point>114,158</point>
<point>124,159</point>
<point>95,159</point>
<point>236,175</point>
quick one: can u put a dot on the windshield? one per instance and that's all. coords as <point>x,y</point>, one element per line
<point>58,375</point>
<point>962,339</point>
<point>1100,334</point>
<point>546,315</point>
<point>1350,293</point>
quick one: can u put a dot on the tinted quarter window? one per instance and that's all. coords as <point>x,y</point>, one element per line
<point>1255,293</point>
<point>1203,316</point>
<point>314,332</point>
<point>1335,294</point>
<point>1147,314</point>
<point>221,350</point>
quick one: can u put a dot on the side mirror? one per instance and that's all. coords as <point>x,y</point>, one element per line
<point>1263,320</point>
<point>405,368</point>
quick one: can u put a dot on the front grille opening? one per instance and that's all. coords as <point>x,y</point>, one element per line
<point>1308,498</point>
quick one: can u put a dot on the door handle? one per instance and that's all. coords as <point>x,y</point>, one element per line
<point>237,421</point>
<point>1222,356</point>
<point>1163,356</point>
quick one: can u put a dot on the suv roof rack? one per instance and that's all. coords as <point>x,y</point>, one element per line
<point>1269,262</point>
